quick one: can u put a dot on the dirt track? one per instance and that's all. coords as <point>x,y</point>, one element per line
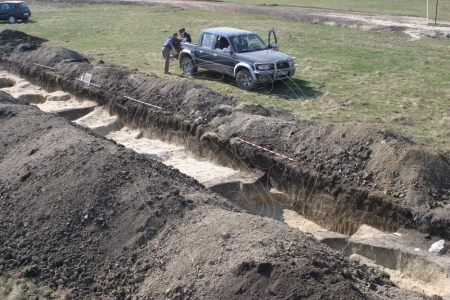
<point>83,214</point>
<point>411,27</point>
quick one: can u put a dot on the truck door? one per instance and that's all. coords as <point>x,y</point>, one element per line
<point>204,49</point>
<point>222,62</point>
<point>272,44</point>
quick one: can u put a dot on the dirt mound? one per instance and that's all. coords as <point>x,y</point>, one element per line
<point>49,56</point>
<point>186,99</point>
<point>82,214</point>
<point>356,154</point>
<point>10,39</point>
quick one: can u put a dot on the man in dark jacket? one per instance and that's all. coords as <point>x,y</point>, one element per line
<point>172,44</point>
<point>185,37</point>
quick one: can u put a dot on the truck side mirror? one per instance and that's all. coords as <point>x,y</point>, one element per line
<point>273,46</point>
<point>226,50</point>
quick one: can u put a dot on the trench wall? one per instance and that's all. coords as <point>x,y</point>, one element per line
<point>338,208</point>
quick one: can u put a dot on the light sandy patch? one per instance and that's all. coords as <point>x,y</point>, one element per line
<point>400,279</point>
<point>60,106</point>
<point>100,121</point>
<point>16,293</point>
<point>367,232</point>
<point>294,220</point>
<point>203,171</point>
<point>55,102</point>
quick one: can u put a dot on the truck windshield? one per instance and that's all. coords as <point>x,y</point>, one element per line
<point>248,43</point>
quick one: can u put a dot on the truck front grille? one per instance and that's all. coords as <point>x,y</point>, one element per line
<point>282,64</point>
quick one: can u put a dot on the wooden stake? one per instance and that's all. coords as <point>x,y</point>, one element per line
<point>435,18</point>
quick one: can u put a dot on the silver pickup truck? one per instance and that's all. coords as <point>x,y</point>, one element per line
<point>238,53</point>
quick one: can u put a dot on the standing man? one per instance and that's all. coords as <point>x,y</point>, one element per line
<point>185,37</point>
<point>170,44</point>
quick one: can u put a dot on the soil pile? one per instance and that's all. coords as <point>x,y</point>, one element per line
<point>355,154</point>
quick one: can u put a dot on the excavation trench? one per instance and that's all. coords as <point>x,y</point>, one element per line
<point>403,255</point>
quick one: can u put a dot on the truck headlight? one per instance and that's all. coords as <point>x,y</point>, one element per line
<point>264,67</point>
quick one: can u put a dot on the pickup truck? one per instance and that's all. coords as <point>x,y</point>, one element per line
<point>238,53</point>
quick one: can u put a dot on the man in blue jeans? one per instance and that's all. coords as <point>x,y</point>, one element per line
<point>172,43</point>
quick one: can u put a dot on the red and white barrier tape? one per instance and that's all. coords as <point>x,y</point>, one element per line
<point>143,102</point>
<point>99,86</point>
<point>88,83</point>
<point>265,149</point>
<point>43,66</point>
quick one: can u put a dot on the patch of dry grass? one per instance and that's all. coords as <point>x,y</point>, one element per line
<point>398,7</point>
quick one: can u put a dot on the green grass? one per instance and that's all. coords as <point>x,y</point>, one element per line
<point>344,74</point>
<point>417,8</point>
<point>385,274</point>
<point>23,289</point>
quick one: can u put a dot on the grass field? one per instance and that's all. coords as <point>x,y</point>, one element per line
<point>344,74</point>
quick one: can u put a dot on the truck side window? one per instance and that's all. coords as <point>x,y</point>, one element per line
<point>221,43</point>
<point>207,40</point>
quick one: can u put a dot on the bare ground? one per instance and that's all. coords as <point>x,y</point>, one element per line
<point>82,213</point>
<point>85,216</point>
<point>411,27</point>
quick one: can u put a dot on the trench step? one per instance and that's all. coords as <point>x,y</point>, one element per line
<point>100,121</point>
<point>6,81</point>
<point>74,114</point>
<point>58,96</point>
<point>334,240</point>
<point>406,253</point>
<point>32,98</point>
<point>69,108</point>
<point>403,256</point>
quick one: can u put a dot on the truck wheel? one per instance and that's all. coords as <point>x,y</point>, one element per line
<point>24,19</point>
<point>188,66</point>
<point>12,19</point>
<point>244,80</point>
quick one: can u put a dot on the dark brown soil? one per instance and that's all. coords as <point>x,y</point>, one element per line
<point>82,213</point>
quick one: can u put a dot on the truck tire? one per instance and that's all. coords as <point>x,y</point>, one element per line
<point>244,80</point>
<point>188,66</point>
<point>12,19</point>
